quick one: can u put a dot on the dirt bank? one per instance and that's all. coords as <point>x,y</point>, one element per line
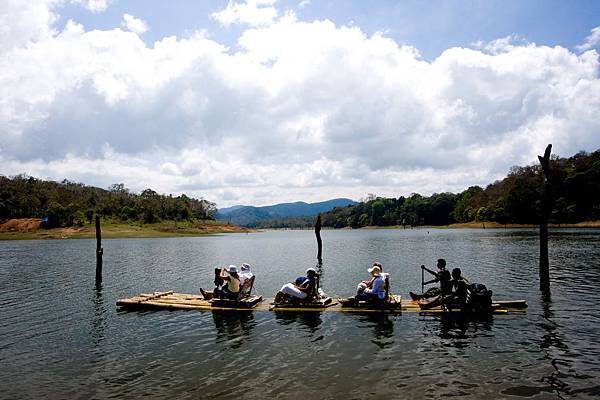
<point>21,225</point>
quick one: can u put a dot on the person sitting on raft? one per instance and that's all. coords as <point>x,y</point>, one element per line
<point>457,296</point>
<point>459,290</point>
<point>442,276</point>
<point>303,289</point>
<point>231,288</point>
<point>374,288</point>
<point>245,273</point>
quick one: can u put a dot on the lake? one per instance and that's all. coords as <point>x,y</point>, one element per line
<point>61,336</point>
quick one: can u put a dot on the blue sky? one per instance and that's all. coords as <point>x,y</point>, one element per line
<point>431,26</point>
<point>264,101</point>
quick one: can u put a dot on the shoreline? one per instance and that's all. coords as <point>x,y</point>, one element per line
<point>185,229</point>
<point>126,231</point>
<point>465,225</point>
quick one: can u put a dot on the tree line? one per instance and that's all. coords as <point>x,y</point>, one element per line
<point>575,188</point>
<point>69,203</point>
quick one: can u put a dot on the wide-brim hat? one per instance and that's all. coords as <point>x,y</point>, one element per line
<point>245,267</point>
<point>374,270</point>
<point>232,269</point>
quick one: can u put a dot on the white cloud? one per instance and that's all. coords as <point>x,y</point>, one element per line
<point>250,12</point>
<point>303,3</point>
<point>95,6</point>
<point>303,111</point>
<point>134,24</point>
<point>22,22</point>
<point>591,41</point>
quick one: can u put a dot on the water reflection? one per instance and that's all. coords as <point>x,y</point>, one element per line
<point>383,328</point>
<point>455,328</point>
<point>308,320</point>
<point>233,328</point>
<point>99,317</point>
<point>552,339</point>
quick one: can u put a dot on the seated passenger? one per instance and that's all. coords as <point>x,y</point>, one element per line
<point>368,283</point>
<point>459,294</point>
<point>303,289</point>
<point>231,289</point>
<point>245,274</point>
<point>375,287</point>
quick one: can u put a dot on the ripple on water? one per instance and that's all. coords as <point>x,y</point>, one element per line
<point>64,338</point>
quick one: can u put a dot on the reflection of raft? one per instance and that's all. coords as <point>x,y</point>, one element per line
<point>181,301</point>
<point>317,304</point>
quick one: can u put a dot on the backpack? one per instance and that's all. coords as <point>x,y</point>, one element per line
<point>481,297</point>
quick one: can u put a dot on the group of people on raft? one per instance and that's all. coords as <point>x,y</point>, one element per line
<point>453,288</point>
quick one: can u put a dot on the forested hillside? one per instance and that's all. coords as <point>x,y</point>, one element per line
<point>575,185</point>
<point>69,203</point>
<point>289,213</point>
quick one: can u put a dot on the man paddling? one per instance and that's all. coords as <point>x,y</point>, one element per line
<point>457,296</point>
<point>442,276</point>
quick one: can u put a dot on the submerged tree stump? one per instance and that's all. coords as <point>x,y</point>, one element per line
<point>319,241</point>
<point>546,200</point>
<point>99,251</point>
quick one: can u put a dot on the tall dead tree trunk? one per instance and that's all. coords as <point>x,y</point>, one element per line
<point>546,201</point>
<point>319,241</point>
<point>99,251</point>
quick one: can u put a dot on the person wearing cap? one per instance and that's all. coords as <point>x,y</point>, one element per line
<point>231,289</point>
<point>299,290</point>
<point>245,273</point>
<point>367,283</point>
<point>373,289</point>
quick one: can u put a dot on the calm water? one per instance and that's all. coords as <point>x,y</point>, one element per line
<point>62,337</point>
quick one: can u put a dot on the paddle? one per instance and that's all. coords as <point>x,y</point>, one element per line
<point>422,281</point>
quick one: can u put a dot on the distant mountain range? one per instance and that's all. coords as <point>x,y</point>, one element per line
<point>250,215</point>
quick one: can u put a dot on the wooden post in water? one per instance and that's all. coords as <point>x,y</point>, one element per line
<point>319,241</point>
<point>544,263</point>
<point>99,251</point>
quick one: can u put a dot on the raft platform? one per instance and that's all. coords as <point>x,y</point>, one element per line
<point>181,301</point>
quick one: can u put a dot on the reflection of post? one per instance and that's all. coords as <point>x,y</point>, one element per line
<point>554,348</point>
<point>319,241</point>
<point>99,251</point>
<point>99,320</point>
<point>544,264</point>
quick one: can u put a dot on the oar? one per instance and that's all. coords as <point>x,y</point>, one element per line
<point>422,281</point>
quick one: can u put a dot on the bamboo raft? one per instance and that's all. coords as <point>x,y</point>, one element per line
<point>181,301</point>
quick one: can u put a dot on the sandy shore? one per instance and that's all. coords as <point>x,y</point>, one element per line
<point>29,228</point>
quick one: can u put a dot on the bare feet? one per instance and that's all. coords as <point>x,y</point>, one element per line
<point>279,297</point>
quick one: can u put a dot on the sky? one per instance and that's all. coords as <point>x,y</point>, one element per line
<point>259,102</point>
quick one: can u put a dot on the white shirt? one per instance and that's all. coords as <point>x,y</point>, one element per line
<point>378,287</point>
<point>244,275</point>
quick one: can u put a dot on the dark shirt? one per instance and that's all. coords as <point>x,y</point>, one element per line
<point>445,281</point>
<point>309,286</point>
<point>459,290</point>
